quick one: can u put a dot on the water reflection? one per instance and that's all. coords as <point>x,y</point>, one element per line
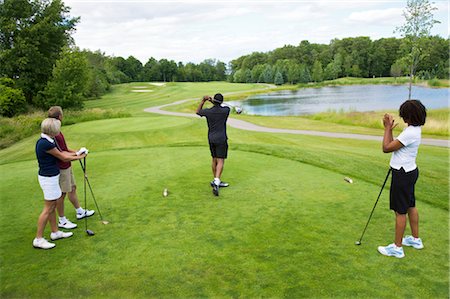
<point>341,98</point>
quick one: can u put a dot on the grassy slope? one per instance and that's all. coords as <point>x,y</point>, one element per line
<point>123,95</point>
<point>285,228</point>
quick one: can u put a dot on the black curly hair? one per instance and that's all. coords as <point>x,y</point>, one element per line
<point>413,112</point>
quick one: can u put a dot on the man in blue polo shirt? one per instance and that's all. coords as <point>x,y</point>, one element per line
<point>216,117</point>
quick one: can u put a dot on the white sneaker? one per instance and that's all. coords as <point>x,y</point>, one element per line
<point>42,244</point>
<point>67,225</point>
<point>411,241</point>
<point>86,213</point>
<point>60,235</point>
<point>391,250</point>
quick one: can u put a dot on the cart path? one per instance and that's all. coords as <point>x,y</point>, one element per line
<point>244,125</point>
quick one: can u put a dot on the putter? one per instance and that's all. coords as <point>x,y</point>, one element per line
<point>92,192</point>
<point>88,231</point>
<point>370,217</point>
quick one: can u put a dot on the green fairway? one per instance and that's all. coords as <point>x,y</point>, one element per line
<point>285,227</point>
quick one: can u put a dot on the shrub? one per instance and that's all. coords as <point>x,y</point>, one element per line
<point>12,101</point>
<point>434,83</point>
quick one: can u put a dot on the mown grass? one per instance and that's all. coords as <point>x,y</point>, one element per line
<point>285,227</point>
<point>163,94</point>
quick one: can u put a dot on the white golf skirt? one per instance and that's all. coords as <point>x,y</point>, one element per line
<point>50,187</point>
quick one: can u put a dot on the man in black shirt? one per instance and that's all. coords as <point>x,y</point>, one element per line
<point>216,117</point>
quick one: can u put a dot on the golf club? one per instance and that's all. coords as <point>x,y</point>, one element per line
<point>88,231</point>
<point>370,217</point>
<point>92,192</point>
<point>238,109</point>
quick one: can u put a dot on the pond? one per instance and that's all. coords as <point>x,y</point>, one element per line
<point>341,98</point>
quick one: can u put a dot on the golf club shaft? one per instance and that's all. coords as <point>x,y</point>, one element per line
<point>85,201</point>
<point>374,206</point>
<point>228,105</point>
<point>90,188</point>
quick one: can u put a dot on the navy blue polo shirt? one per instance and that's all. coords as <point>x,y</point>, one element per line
<point>48,164</point>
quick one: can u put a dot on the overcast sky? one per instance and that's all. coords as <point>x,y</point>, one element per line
<point>192,31</point>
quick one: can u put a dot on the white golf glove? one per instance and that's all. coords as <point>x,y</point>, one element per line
<point>82,150</point>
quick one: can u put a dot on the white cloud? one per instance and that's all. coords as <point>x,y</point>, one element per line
<point>378,16</point>
<point>196,30</point>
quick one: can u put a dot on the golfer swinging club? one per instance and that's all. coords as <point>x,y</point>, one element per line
<point>216,117</point>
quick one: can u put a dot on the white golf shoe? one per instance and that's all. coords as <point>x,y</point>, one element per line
<point>86,213</point>
<point>60,235</point>
<point>67,225</point>
<point>42,243</point>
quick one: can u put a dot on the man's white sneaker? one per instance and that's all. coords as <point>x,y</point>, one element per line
<point>67,225</point>
<point>414,242</point>
<point>86,213</point>
<point>60,235</point>
<point>42,244</point>
<point>391,250</point>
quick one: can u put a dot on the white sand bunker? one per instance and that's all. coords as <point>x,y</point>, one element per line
<point>139,87</point>
<point>158,83</point>
<point>142,90</point>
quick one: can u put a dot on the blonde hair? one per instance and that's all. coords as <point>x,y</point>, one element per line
<point>55,112</point>
<point>51,126</point>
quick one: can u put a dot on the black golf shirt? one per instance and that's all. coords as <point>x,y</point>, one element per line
<point>217,119</point>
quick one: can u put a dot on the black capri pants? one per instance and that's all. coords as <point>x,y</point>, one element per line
<point>402,190</point>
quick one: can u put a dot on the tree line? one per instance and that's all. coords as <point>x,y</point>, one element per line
<point>41,66</point>
<point>348,57</point>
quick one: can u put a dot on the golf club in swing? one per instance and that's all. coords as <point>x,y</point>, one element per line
<point>238,109</point>
<point>88,231</point>
<point>370,217</point>
<point>92,192</point>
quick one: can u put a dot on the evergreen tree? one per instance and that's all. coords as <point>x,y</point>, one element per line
<point>278,80</point>
<point>317,72</point>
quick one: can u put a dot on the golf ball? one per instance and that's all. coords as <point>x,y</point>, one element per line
<point>238,110</point>
<point>357,243</point>
<point>165,192</point>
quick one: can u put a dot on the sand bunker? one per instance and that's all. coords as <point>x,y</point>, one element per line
<point>158,83</point>
<point>142,90</point>
<point>140,87</point>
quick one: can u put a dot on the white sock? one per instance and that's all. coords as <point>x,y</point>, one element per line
<point>80,210</point>
<point>62,219</point>
<point>216,181</point>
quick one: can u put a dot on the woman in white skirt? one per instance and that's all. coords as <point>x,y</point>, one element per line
<point>48,155</point>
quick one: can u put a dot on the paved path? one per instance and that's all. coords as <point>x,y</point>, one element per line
<point>244,125</point>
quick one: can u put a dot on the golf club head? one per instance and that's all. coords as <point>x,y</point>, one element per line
<point>89,232</point>
<point>358,243</point>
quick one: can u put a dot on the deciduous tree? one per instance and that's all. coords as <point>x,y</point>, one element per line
<point>32,35</point>
<point>418,23</point>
